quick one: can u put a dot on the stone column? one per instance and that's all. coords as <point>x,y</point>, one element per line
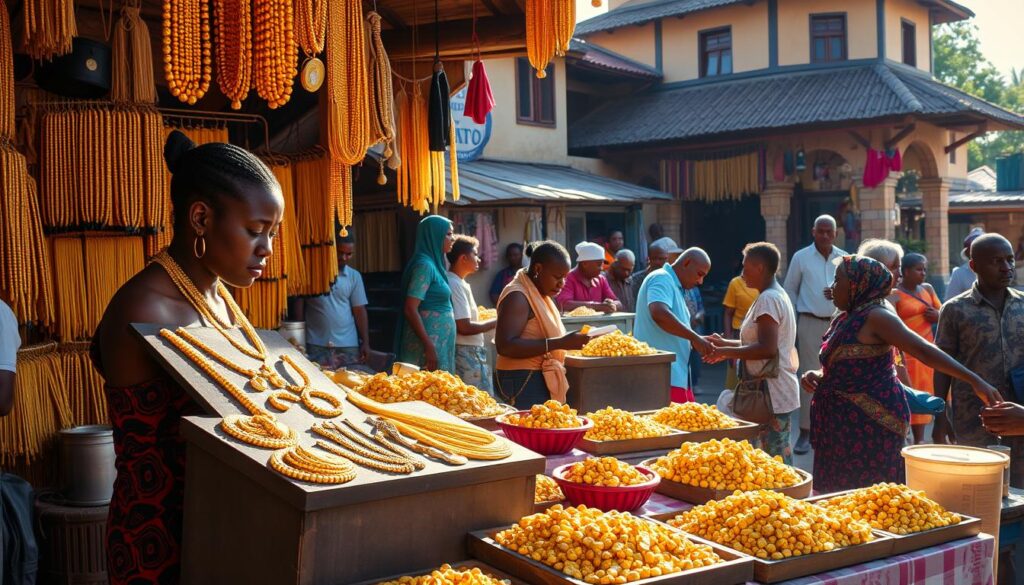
<point>776,200</point>
<point>935,204</point>
<point>878,210</point>
<point>670,216</point>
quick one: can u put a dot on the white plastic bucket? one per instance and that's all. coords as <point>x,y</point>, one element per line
<point>966,480</point>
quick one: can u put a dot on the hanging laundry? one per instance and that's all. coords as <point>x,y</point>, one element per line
<point>439,116</point>
<point>892,155</point>
<point>779,170</point>
<point>479,99</point>
<point>876,168</point>
<point>487,235</point>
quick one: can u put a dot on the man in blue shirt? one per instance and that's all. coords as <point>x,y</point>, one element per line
<point>663,320</point>
<point>337,327</point>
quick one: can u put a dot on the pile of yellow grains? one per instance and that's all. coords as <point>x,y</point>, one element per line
<point>550,415</point>
<point>894,508</point>
<point>438,388</point>
<point>614,424</point>
<point>604,472</point>
<point>616,344</point>
<point>725,465</point>
<point>546,490</point>
<point>693,416</point>
<point>448,575</point>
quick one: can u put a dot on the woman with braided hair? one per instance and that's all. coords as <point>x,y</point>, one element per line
<point>227,210</point>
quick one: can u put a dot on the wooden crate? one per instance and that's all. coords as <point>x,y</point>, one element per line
<point>737,568</point>
<point>630,383</point>
<point>903,543</point>
<point>699,495</point>
<point>470,564</point>
<point>245,523</point>
<point>767,571</point>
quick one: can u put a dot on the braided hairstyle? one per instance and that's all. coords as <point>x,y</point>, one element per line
<point>209,173</point>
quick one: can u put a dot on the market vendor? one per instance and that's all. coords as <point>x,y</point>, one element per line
<point>470,354</point>
<point>530,338</point>
<point>227,209</point>
<point>426,325</point>
<point>585,285</point>
<point>337,326</point>
<point>10,341</point>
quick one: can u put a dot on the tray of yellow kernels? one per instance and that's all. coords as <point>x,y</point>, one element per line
<point>702,422</point>
<point>915,520</point>
<point>582,545</point>
<point>698,472</point>
<point>462,573</point>
<point>616,344</point>
<point>546,492</point>
<point>438,388</point>
<point>788,538</point>
<point>619,431</point>
<point>582,312</point>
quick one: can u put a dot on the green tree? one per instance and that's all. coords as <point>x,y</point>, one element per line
<point>958,61</point>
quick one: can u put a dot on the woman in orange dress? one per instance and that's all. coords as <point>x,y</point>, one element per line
<point>918,307</point>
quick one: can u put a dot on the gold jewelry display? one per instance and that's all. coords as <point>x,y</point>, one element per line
<point>258,377</point>
<point>307,393</point>
<point>261,429</point>
<point>366,453</point>
<point>257,351</point>
<point>386,432</point>
<point>303,464</point>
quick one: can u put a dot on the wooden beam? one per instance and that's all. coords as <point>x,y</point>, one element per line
<point>388,15</point>
<point>497,34</point>
<point>979,131</point>
<point>860,139</point>
<point>906,131</point>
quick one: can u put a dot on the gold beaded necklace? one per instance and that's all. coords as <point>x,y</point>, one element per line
<point>361,451</point>
<point>257,378</point>
<point>300,463</point>
<point>188,289</point>
<point>261,428</point>
<point>306,393</point>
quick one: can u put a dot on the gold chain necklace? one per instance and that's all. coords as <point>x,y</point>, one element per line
<point>257,351</point>
<point>261,428</point>
<point>300,463</point>
<point>306,394</point>
<point>257,376</point>
<point>366,452</point>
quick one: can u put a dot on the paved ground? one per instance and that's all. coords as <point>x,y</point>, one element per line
<point>711,384</point>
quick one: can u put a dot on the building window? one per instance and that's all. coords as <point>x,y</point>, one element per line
<point>535,98</point>
<point>716,52</point>
<point>828,38</point>
<point>909,43</point>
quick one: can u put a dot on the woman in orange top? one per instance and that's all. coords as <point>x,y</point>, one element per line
<point>918,307</point>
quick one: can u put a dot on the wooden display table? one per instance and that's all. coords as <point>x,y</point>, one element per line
<point>245,523</point>
<point>630,383</point>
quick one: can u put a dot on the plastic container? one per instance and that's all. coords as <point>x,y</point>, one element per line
<point>544,441</point>
<point>622,498</point>
<point>87,465</point>
<point>966,480</point>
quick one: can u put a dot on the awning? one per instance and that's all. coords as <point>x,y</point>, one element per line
<point>501,182</point>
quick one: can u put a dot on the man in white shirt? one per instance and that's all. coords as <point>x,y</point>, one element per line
<point>470,353</point>
<point>811,271</point>
<point>10,341</point>
<point>962,278</point>
<point>337,325</point>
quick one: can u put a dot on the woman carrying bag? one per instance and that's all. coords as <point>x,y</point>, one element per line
<point>768,390</point>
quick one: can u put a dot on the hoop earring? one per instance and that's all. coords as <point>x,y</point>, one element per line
<point>199,246</point>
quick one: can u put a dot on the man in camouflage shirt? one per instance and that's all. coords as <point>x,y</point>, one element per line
<point>983,329</point>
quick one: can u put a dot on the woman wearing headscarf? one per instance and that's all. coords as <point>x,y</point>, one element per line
<point>859,413</point>
<point>426,324</point>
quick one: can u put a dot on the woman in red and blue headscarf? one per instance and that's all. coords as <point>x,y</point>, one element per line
<point>859,411</point>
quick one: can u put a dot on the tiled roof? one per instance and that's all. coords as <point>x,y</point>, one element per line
<point>641,11</point>
<point>491,181</point>
<point>975,200</point>
<point>851,93</point>
<point>588,55</point>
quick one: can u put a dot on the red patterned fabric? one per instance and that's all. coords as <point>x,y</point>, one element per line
<point>145,521</point>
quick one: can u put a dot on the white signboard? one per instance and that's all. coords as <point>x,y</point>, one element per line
<point>470,137</point>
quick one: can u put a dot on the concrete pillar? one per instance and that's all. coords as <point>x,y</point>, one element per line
<point>935,204</point>
<point>776,201</point>
<point>878,210</point>
<point>670,216</point>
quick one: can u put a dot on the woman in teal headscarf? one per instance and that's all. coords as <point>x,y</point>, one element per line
<point>426,325</point>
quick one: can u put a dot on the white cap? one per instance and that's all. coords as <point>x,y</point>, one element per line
<point>667,245</point>
<point>587,251</point>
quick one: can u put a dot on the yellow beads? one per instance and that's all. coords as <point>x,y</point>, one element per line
<point>550,415</point>
<point>725,465</point>
<point>613,424</point>
<point>446,575</point>
<point>305,465</point>
<point>769,525</point>
<point>604,471</point>
<point>438,388</point>
<point>616,344</point>
<point>547,490</point>
<point>604,547</point>
<point>893,507</point>
<point>692,416</point>
<point>485,314</point>
<point>582,312</point>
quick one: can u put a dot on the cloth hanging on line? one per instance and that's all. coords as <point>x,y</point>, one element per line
<point>479,99</point>
<point>719,179</point>
<point>439,116</point>
<point>487,235</point>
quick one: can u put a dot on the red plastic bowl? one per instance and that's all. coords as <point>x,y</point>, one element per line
<point>544,441</point>
<point>623,498</point>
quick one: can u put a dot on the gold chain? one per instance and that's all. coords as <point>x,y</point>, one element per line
<point>365,452</point>
<point>307,393</point>
<point>257,376</point>
<point>303,464</point>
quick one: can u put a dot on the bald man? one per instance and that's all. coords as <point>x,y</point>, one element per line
<point>663,320</point>
<point>811,271</point>
<point>981,330</point>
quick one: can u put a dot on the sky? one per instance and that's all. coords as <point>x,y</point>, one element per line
<point>996,21</point>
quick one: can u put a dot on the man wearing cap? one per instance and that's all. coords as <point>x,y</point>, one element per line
<point>585,286</point>
<point>963,278</point>
<point>811,271</point>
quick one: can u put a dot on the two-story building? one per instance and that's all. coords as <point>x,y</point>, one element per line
<point>771,112</point>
